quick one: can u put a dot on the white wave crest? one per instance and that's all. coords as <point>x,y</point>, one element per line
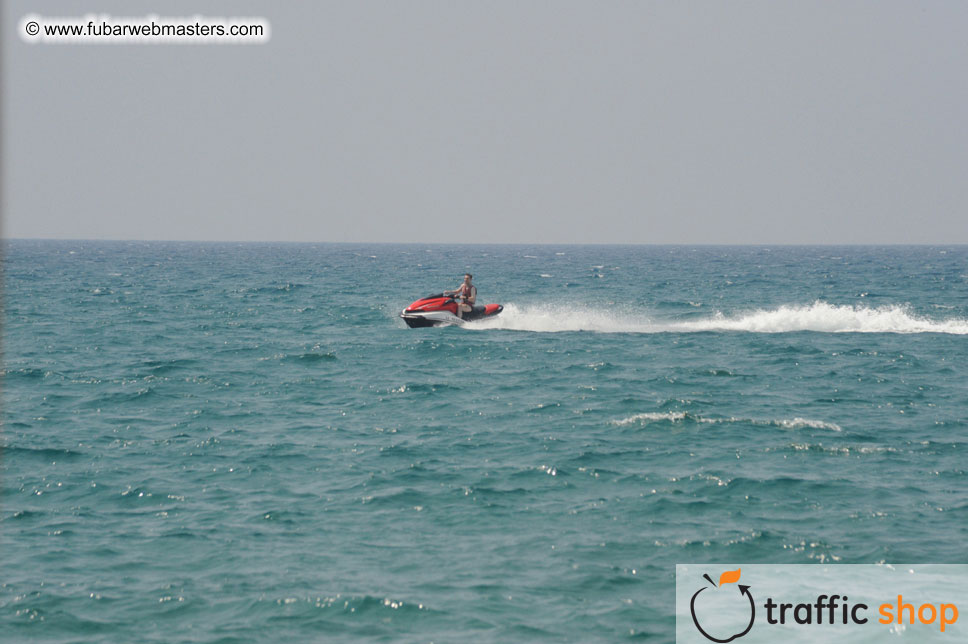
<point>652,416</point>
<point>820,317</point>
<point>798,423</point>
<point>681,416</point>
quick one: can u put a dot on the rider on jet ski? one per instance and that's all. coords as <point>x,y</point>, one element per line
<point>449,307</point>
<point>467,293</point>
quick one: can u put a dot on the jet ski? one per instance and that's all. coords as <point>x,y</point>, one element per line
<point>440,310</point>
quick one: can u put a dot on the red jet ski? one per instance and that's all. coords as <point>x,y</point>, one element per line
<point>440,310</point>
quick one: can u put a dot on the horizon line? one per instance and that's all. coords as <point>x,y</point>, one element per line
<point>438,243</point>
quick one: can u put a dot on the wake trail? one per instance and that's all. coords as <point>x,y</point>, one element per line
<point>820,317</point>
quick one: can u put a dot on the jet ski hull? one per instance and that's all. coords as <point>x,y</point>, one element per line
<point>439,310</point>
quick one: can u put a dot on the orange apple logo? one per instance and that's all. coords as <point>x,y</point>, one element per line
<point>728,577</point>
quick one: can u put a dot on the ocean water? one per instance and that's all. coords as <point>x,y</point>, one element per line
<point>244,443</point>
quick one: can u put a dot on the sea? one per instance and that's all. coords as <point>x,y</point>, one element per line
<point>243,442</point>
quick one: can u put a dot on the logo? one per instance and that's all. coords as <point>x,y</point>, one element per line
<point>829,603</point>
<point>714,601</point>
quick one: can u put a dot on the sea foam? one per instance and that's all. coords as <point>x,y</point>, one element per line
<point>821,317</point>
<point>649,417</point>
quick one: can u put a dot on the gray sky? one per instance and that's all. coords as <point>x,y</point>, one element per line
<point>632,122</point>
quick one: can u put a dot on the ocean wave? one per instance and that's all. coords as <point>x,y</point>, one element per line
<point>821,317</point>
<point>356,604</point>
<point>43,453</point>
<point>688,417</point>
<point>310,358</point>
<point>844,450</point>
<point>275,288</point>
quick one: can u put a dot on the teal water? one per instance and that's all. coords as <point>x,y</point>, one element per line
<point>243,442</point>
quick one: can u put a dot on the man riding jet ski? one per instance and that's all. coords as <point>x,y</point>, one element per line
<point>450,307</point>
<point>467,295</point>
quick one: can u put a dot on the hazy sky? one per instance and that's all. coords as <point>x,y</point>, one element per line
<point>634,122</point>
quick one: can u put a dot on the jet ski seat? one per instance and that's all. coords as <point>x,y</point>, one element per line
<point>477,311</point>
